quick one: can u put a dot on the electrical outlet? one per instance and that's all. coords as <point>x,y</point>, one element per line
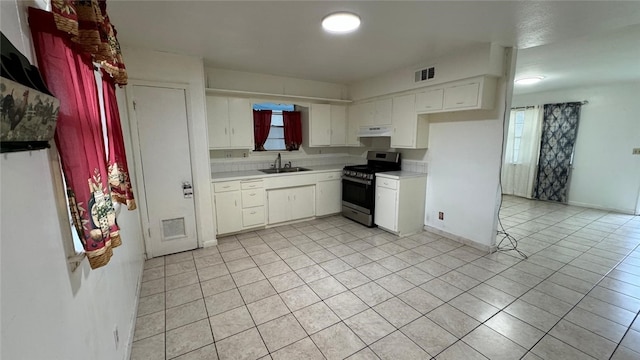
<point>227,154</point>
<point>440,215</point>
<point>116,337</point>
<point>636,151</point>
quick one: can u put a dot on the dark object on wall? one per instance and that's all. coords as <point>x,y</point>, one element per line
<point>28,111</point>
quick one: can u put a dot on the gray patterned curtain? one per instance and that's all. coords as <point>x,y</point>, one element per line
<point>559,130</point>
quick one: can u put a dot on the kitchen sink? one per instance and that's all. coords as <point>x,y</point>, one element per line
<point>283,170</point>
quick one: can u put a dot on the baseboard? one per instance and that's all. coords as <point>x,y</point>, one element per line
<point>598,207</point>
<point>209,243</point>
<point>460,239</point>
<point>127,351</point>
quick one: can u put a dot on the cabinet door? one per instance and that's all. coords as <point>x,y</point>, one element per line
<point>461,96</point>
<point>430,100</point>
<point>386,211</point>
<point>354,116</point>
<point>320,127</point>
<point>328,197</point>
<point>338,125</point>
<point>228,212</point>
<point>278,202</point>
<point>383,113</point>
<point>404,121</point>
<point>303,202</point>
<point>218,122</point>
<point>367,113</point>
<point>240,123</point>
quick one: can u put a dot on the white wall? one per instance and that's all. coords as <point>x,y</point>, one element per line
<point>606,175</point>
<point>271,84</point>
<point>484,59</point>
<point>46,311</point>
<point>464,155</point>
<point>173,68</point>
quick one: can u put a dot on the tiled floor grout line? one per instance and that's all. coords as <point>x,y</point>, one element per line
<point>517,298</point>
<point>584,296</point>
<point>377,245</point>
<point>589,291</point>
<point>625,334</point>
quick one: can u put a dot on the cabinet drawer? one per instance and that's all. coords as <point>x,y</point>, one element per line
<point>387,183</point>
<point>246,185</point>
<point>226,186</point>
<point>253,197</point>
<point>253,216</point>
<point>329,176</point>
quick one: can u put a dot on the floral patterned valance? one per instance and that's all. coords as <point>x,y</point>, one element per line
<point>87,23</point>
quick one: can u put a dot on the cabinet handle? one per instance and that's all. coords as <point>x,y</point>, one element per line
<point>226,186</point>
<point>460,103</point>
<point>253,213</point>
<point>225,131</point>
<point>236,202</point>
<point>233,131</point>
<point>252,194</point>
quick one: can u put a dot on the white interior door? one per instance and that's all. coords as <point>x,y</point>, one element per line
<point>161,119</point>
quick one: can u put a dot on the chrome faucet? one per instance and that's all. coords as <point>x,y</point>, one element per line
<point>278,163</point>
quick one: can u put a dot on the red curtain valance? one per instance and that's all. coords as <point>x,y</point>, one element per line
<point>87,24</point>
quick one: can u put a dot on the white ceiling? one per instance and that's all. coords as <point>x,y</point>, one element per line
<point>285,38</point>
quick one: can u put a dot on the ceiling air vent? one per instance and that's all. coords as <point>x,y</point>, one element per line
<point>425,74</point>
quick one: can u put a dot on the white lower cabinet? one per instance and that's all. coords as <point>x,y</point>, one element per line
<point>289,204</point>
<point>399,203</point>
<point>239,205</point>
<point>329,193</point>
<point>386,212</point>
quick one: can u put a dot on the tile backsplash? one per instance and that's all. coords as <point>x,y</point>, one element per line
<point>245,164</point>
<point>241,164</point>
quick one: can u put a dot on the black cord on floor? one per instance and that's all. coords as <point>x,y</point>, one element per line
<point>513,242</point>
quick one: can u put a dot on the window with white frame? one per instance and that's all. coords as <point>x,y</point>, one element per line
<point>275,141</point>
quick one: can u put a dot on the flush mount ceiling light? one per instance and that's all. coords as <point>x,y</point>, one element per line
<point>529,80</point>
<point>341,22</point>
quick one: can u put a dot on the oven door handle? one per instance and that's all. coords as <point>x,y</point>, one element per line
<point>359,181</point>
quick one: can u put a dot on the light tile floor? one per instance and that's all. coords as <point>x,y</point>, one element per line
<point>330,288</point>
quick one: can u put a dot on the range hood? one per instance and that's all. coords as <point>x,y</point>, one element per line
<point>375,131</point>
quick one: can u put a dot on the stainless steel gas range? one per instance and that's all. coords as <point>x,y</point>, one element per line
<point>359,185</point>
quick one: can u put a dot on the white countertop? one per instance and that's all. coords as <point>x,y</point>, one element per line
<point>399,174</point>
<point>254,174</point>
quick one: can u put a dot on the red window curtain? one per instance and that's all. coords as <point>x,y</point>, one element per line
<point>292,129</point>
<point>119,182</point>
<point>70,77</point>
<point>261,127</point>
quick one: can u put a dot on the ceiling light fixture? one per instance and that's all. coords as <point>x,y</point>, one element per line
<point>341,22</point>
<point>529,80</point>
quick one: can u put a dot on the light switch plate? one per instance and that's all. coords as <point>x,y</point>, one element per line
<point>636,151</point>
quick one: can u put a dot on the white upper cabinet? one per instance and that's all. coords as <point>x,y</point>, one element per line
<point>429,100</point>
<point>320,125</point>
<point>327,125</point>
<point>230,123</point>
<point>471,94</point>
<point>354,117</point>
<point>462,96</point>
<point>409,130</point>
<point>338,125</point>
<point>383,113</point>
<point>374,113</point>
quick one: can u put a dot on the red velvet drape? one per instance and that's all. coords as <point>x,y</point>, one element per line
<point>261,127</point>
<point>292,129</point>
<point>69,75</point>
<point>119,182</point>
